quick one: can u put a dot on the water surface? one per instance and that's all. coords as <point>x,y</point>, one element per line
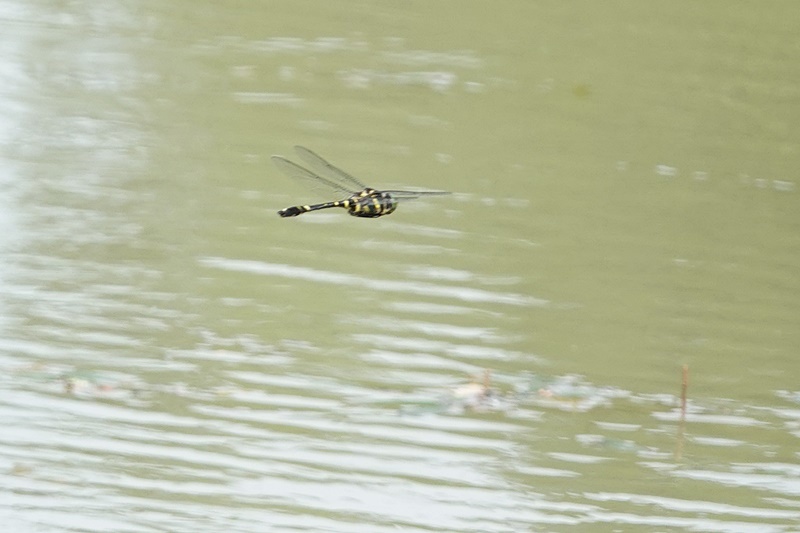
<point>176,357</point>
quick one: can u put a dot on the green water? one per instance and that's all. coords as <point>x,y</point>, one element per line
<point>176,357</point>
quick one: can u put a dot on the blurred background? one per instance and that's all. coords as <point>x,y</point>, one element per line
<point>624,224</point>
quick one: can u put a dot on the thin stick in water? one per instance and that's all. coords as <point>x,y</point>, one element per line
<point>682,421</point>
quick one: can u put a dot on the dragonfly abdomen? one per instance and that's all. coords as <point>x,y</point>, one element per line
<point>300,209</point>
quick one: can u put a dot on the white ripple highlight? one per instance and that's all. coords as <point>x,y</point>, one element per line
<point>468,294</point>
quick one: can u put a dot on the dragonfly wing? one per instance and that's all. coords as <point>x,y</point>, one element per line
<point>410,195</point>
<point>314,181</point>
<point>324,167</point>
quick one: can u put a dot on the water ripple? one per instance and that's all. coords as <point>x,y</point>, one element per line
<point>322,276</point>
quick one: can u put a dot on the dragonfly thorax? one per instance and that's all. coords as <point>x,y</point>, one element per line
<point>370,203</point>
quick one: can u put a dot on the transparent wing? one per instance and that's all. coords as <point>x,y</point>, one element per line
<point>336,174</point>
<point>333,179</point>
<point>319,184</point>
<point>410,195</point>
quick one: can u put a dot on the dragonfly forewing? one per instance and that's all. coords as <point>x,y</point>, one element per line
<point>334,173</point>
<point>321,185</point>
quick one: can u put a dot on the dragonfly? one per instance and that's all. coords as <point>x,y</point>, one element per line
<point>359,200</point>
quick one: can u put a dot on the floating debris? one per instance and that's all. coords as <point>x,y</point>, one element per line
<point>79,382</point>
<point>566,393</point>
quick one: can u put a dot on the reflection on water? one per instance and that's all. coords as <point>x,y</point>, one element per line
<point>174,357</point>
